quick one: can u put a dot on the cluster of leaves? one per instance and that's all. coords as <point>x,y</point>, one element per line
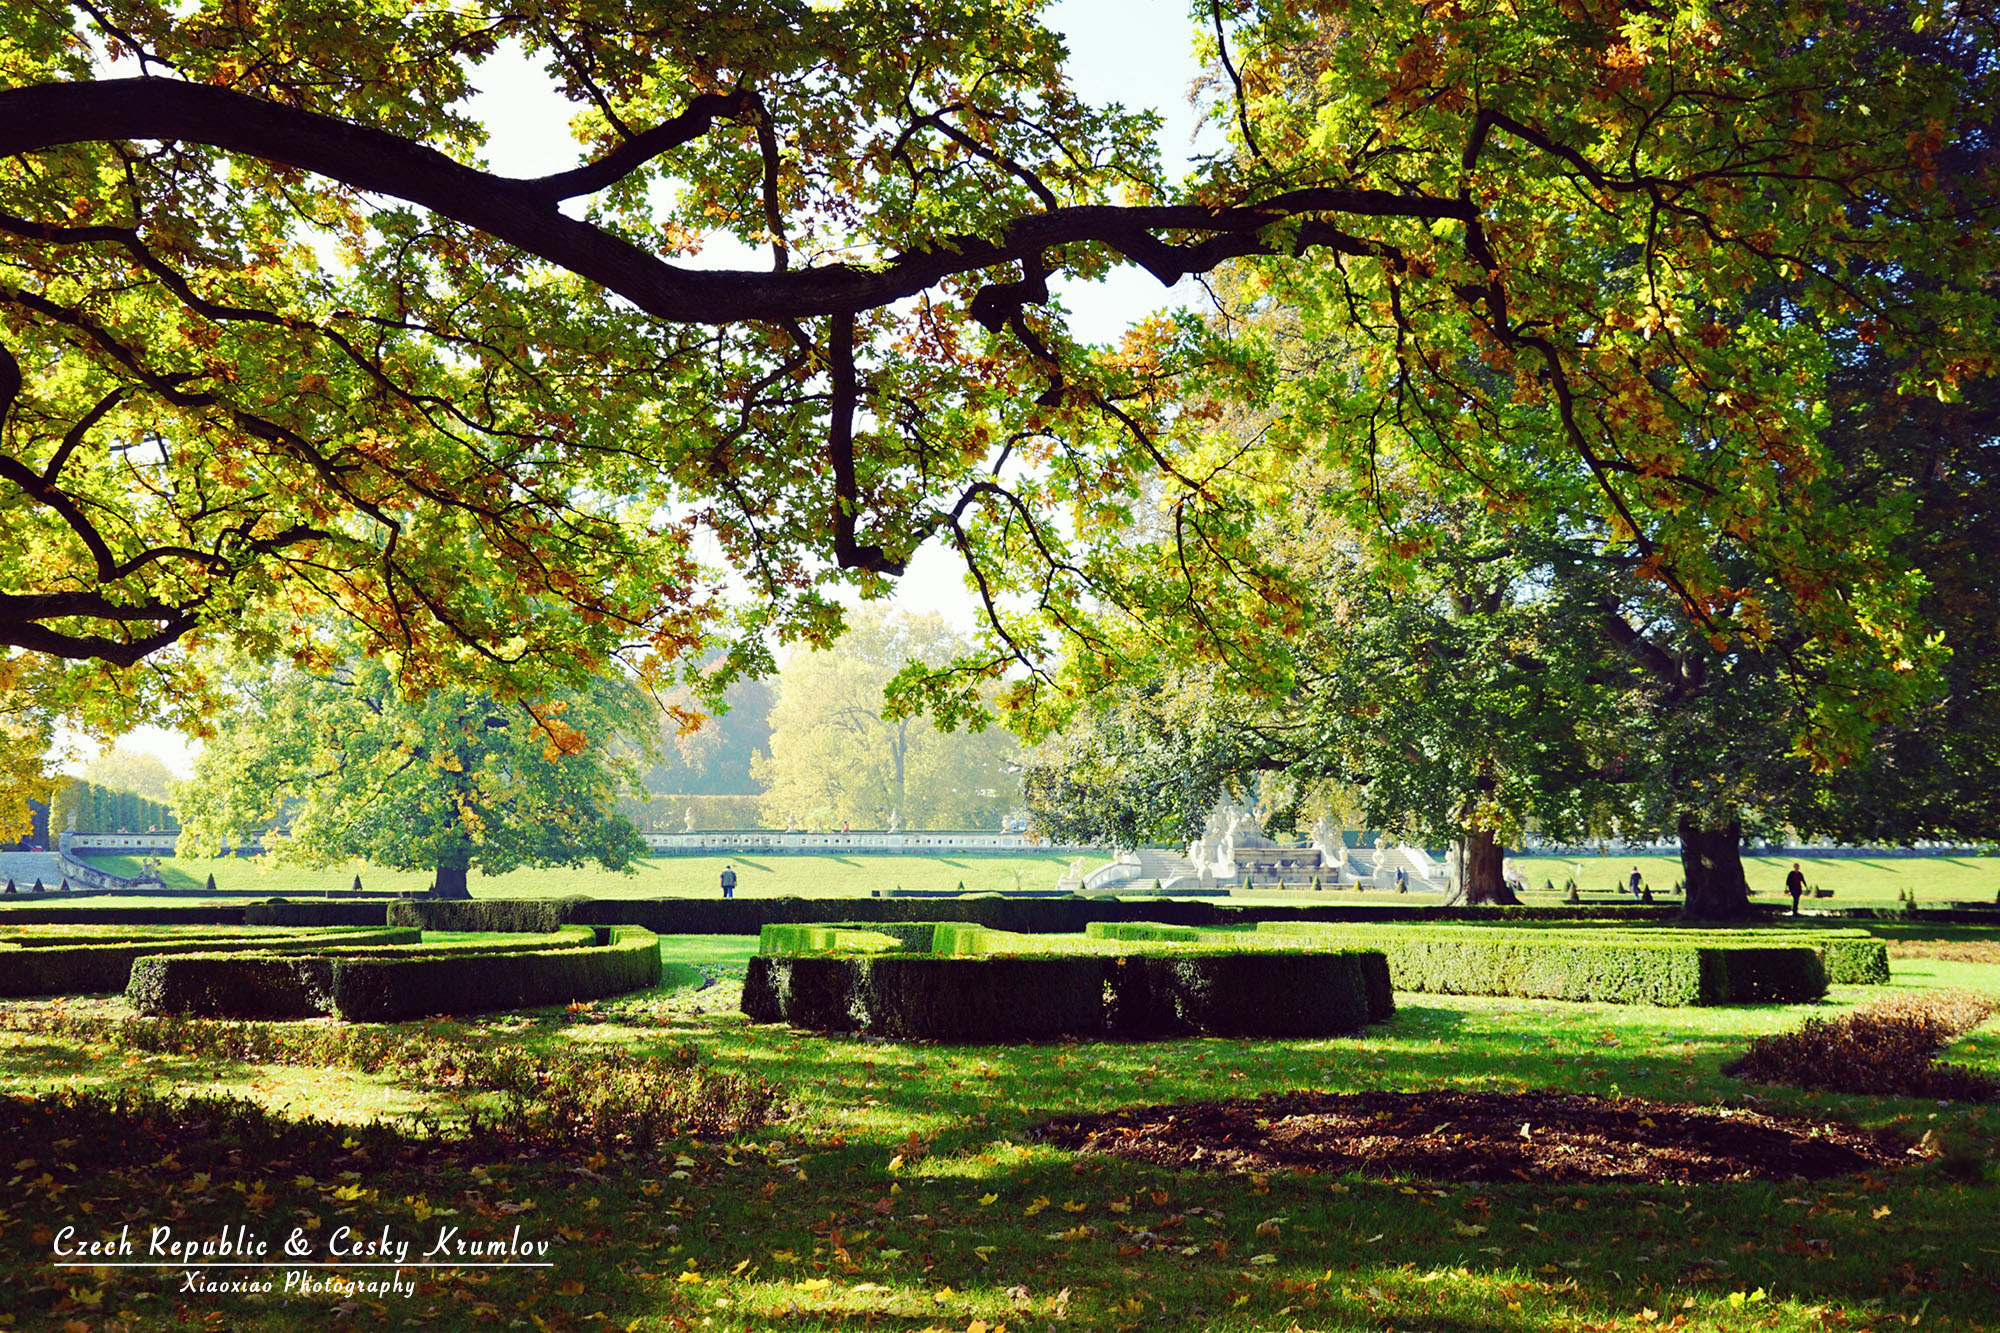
<point>559,1101</point>
<point>1888,1049</point>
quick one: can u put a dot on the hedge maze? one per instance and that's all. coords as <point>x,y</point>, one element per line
<point>379,974</point>
<point>953,981</point>
<point>956,981</point>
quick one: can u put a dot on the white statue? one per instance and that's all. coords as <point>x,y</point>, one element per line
<point>895,821</point>
<point>688,820</point>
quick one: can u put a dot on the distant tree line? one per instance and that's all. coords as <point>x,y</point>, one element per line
<point>99,809</point>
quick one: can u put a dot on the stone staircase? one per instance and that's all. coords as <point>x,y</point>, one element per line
<point>1137,870</point>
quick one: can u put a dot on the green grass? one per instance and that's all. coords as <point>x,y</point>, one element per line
<point>906,1190</point>
<point>1856,881</point>
<point>654,877</point>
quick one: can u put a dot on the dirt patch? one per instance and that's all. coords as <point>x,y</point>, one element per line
<point>1482,1136</point>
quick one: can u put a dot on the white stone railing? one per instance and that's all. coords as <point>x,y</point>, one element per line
<point>102,843</point>
<point>872,843</point>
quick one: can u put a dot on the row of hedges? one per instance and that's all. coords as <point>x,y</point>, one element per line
<point>88,968</point>
<point>381,986</point>
<point>283,912</point>
<point>122,916</point>
<point>1066,916</point>
<point>1618,970</point>
<point>996,999</point>
<point>1849,957</point>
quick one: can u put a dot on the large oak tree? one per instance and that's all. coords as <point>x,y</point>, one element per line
<point>273,340</point>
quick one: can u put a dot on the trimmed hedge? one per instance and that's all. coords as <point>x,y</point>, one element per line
<point>1565,966</point>
<point>1037,916</point>
<point>979,999</point>
<point>1142,932</point>
<point>382,984</point>
<point>845,937</point>
<point>280,912</point>
<point>122,916</point>
<point>1240,993</point>
<point>1856,962</point>
<point>83,969</point>
<point>814,993</point>
<point>961,998</point>
<point>1765,975</point>
<point>927,998</point>
<point>527,916</point>
<point>388,989</point>
<point>223,986</point>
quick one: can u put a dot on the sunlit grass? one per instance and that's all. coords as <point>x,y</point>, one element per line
<point>654,877</point>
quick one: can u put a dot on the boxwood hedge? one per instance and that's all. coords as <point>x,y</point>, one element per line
<point>382,984</point>
<point>384,989</point>
<point>85,968</point>
<point>1619,969</point>
<point>1041,916</point>
<point>963,992</point>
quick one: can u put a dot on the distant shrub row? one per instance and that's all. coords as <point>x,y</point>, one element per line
<point>387,985</point>
<point>1066,916</point>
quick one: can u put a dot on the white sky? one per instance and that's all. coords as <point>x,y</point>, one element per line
<point>1135,52</point>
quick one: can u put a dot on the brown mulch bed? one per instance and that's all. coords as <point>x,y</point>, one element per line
<point>1951,951</point>
<point>1482,1136</point>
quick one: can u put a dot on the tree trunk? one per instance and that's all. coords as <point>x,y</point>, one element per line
<point>451,874</point>
<point>1712,863</point>
<point>1485,882</point>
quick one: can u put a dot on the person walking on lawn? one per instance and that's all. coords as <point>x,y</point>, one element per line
<point>728,882</point>
<point>1795,884</point>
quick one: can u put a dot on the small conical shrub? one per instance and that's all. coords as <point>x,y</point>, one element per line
<point>357,883</point>
<point>64,886</point>
<point>10,884</point>
<point>211,881</point>
<point>39,886</point>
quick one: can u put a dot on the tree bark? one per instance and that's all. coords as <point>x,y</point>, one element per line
<point>1485,881</point>
<point>451,870</point>
<point>1712,864</point>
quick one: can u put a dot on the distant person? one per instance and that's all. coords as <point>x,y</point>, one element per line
<point>1402,880</point>
<point>728,882</point>
<point>1636,881</point>
<point>1795,884</point>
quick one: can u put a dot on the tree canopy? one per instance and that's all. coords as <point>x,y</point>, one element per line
<point>273,341</point>
<point>839,755</point>
<point>326,766</point>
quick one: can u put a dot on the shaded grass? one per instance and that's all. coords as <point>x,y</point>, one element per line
<point>908,1192</point>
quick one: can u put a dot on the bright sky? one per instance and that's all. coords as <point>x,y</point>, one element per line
<point>1135,52</point>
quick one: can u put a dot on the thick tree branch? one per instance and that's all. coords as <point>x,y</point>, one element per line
<point>523,213</point>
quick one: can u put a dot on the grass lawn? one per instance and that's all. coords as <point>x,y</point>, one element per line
<point>1856,881</point>
<point>905,1188</point>
<point>654,877</point>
